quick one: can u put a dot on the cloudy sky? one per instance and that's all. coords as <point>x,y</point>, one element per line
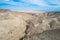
<point>39,5</point>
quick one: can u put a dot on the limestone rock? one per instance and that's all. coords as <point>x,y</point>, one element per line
<point>11,27</point>
<point>43,22</point>
<point>46,35</point>
<point>29,26</point>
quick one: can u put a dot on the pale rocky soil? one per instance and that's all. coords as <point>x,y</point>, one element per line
<point>46,35</point>
<point>29,26</point>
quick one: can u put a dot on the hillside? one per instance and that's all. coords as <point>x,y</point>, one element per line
<point>27,25</point>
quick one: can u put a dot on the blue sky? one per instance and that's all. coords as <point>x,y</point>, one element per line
<point>38,5</point>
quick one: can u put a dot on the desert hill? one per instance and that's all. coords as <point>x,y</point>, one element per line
<point>27,25</point>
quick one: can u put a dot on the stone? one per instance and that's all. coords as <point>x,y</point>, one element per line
<point>29,26</point>
<point>11,27</point>
<point>46,35</point>
<point>43,22</point>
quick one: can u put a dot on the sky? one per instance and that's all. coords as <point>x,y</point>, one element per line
<point>38,5</point>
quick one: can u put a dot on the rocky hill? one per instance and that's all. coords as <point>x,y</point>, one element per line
<point>16,25</point>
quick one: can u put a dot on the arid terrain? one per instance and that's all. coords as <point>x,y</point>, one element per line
<point>30,25</point>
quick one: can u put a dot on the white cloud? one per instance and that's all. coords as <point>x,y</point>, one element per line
<point>14,3</point>
<point>6,0</point>
<point>38,2</point>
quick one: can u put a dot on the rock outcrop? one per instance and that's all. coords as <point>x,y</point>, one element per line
<point>28,26</point>
<point>43,22</point>
<point>11,27</point>
<point>46,35</point>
